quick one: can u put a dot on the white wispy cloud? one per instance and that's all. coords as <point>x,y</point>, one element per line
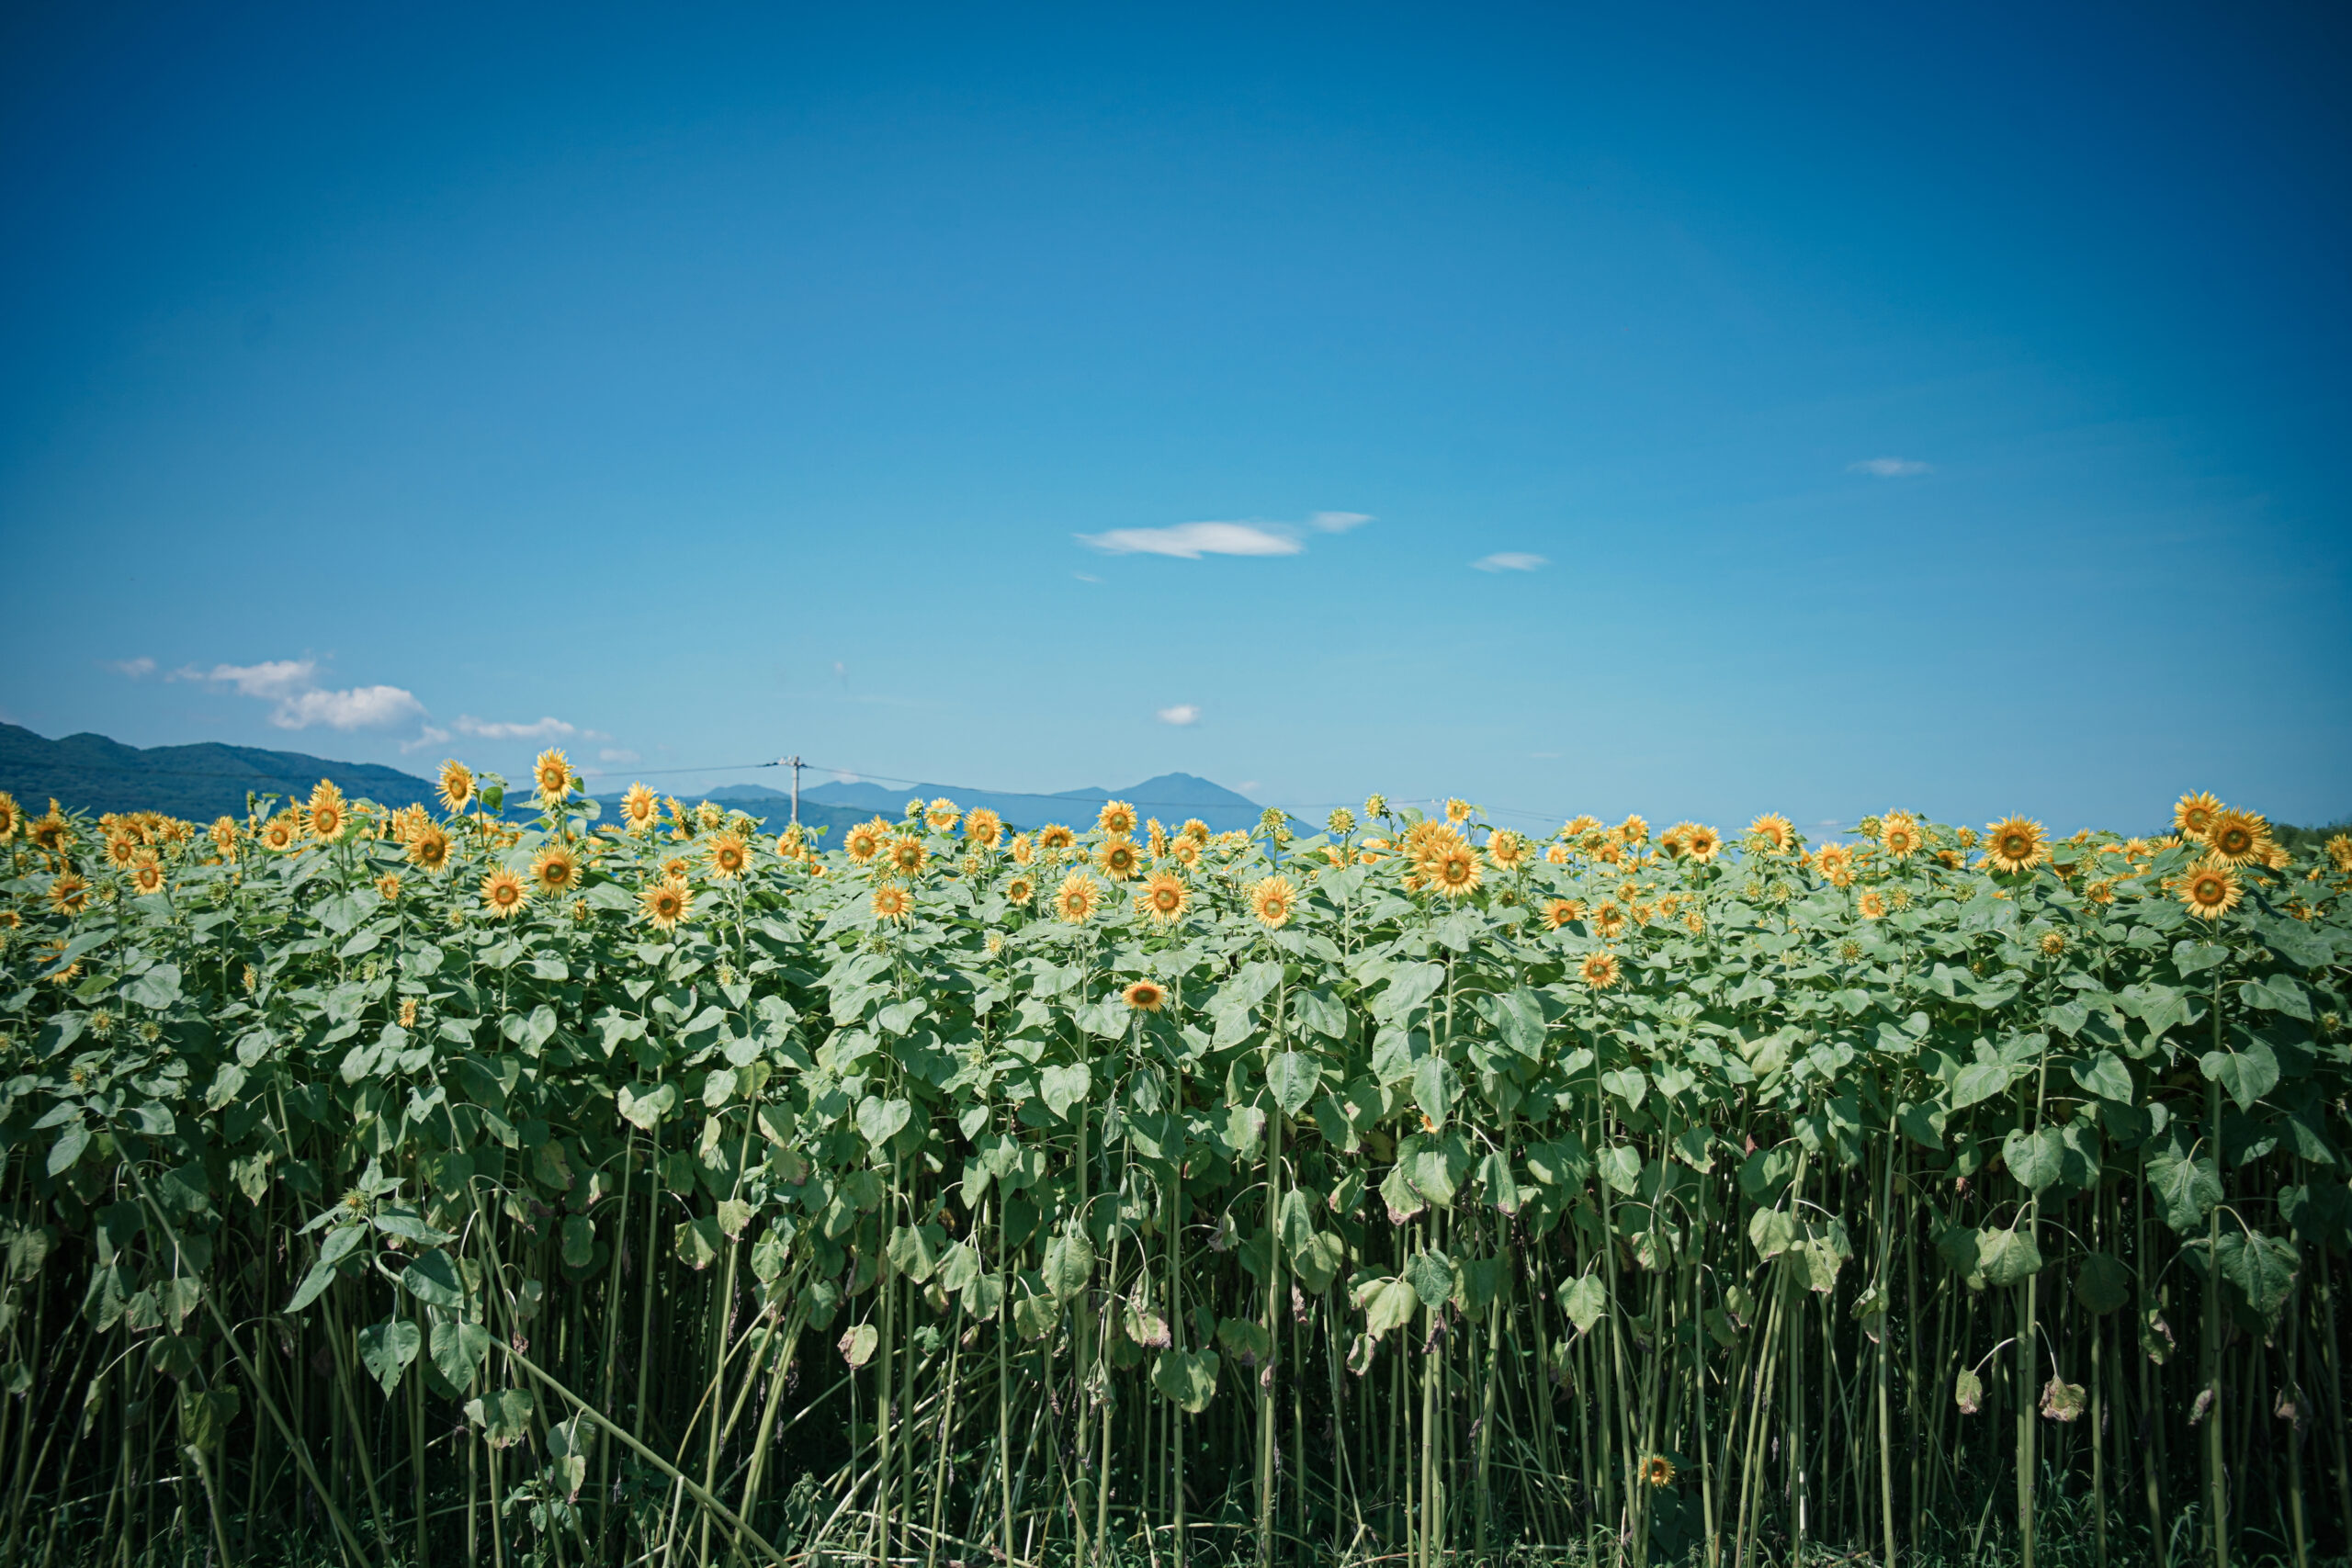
<point>1338,522</point>
<point>302,701</point>
<point>615,754</point>
<point>1182,713</point>
<point>134,668</point>
<point>1191,541</point>
<point>430,735</point>
<point>547,729</point>
<point>1891,467</point>
<point>1510,561</point>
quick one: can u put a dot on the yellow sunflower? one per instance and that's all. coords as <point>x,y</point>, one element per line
<point>1701,843</point>
<point>224,836</point>
<point>641,810</point>
<point>1195,829</point>
<point>864,841</point>
<point>1600,970</point>
<point>388,887</point>
<point>907,854</point>
<point>2339,850</point>
<point>282,832</point>
<point>1557,854</point>
<point>1186,851</point>
<point>663,904</point>
<point>122,849</point>
<point>1609,920</point>
<point>554,869</point>
<point>2237,837</point>
<point>2194,814</point>
<point>1898,833</point>
<point>1274,900</point>
<point>326,813</point>
<point>1145,996</point>
<point>675,869</point>
<point>1020,890</point>
<point>1658,1470</point>
<point>1457,811</point>
<point>429,850</point>
<point>1774,829</point>
<point>1163,898</point>
<point>1634,831</point>
<point>504,894</point>
<point>11,817</point>
<point>1077,898</point>
<point>1558,913</point>
<point>69,892</point>
<point>1872,905</point>
<point>1506,849</point>
<point>2015,845</point>
<point>1836,863</point>
<point>729,855</point>
<point>1052,838</point>
<point>1576,826</point>
<point>983,827</point>
<point>1117,818</point>
<point>2210,891</point>
<point>553,775</point>
<point>457,785</point>
<point>1023,849</point>
<point>1118,858</point>
<point>1454,871</point>
<point>942,814</point>
<point>147,874</point>
<point>892,902</point>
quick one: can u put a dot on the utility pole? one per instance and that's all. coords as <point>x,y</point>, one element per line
<point>793,762</point>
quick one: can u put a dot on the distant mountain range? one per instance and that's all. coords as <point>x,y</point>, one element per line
<point>94,773</point>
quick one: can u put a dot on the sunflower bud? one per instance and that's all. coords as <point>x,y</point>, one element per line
<point>1340,823</point>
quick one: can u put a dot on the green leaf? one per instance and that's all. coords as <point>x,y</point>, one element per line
<point>881,1119</point>
<point>503,1416</point>
<point>857,1345</point>
<point>1189,1378</point>
<point>2279,993</point>
<point>2034,1158</point>
<point>1061,1087</point>
<point>1293,1075</point>
<point>2264,1267</point>
<point>1431,1274</point>
<point>1068,1264</point>
<point>2103,1283</point>
<point>646,1109</point>
<point>2188,1189</point>
<point>1584,1302</point>
<point>2006,1258</point>
<point>433,1280</point>
<point>2248,1074</point>
<point>1519,1018</point>
<point>579,1241</point>
<point>1388,1303</point>
<point>697,1242</point>
<point>458,1349</point>
<point>386,1348</point>
<point>2106,1076</point>
<point>1981,1081</point>
<point>1620,1166</point>
<point>160,988</point>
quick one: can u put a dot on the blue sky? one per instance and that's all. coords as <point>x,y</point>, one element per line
<point>1697,410</point>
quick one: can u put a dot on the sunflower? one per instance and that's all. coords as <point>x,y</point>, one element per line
<point>863,840</point>
<point>1898,832</point>
<point>2237,837</point>
<point>892,902</point>
<point>282,832</point>
<point>1020,890</point>
<point>1118,858</point>
<point>1600,970</point>
<point>1558,913</point>
<point>1774,829</point>
<point>2052,943</point>
<point>663,904</point>
<point>942,814</point>
<point>1145,996</point>
<point>388,887</point>
<point>2210,891</point>
<point>428,850</point>
<point>1077,898</point>
<point>556,871</point>
<point>1163,898</point>
<point>2193,817</point>
<point>2100,892</point>
<point>1506,849</point>
<point>326,813</point>
<point>457,785</point>
<point>2339,850</point>
<point>1117,818</point>
<point>1872,905</point>
<point>224,836</point>
<point>675,869</point>
<point>1454,871</point>
<point>504,894</point>
<point>1836,863</point>
<point>553,775</point>
<point>1557,854</point>
<point>122,849</point>
<point>907,854</point>
<point>12,817</point>
<point>729,856</point>
<point>1195,829</point>
<point>1658,1470</point>
<point>1186,851</point>
<point>1274,900</point>
<point>1023,849</point>
<point>1457,811</point>
<point>1052,838</point>
<point>147,874</point>
<point>1701,843</point>
<point>1694,922</point>
<point>2015,845</point>
<point>983,827</point>
<point>641,810</point>
<point>1609,920</point>
<point>1634,831</point>
<point>69,892</point>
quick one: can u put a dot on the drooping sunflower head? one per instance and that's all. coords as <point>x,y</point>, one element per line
<point>147,874</point>
<point>907,854</point>
<point>553,773</point>
<point>1077,898</point>
<point>942,814</point>
<point>2016,844</point>
<point>388,887</point>
<point>1658,1470</point>
<point>1118,858</point>
<point>2193,816</point>
<point>1274,900</point>
<point>504,894</point>
<point>457,785</point>
<point>326,813</point>
<point>1020,890</point>
<point>1052,838</point>
<point>554,869</point>
<point>864,841</point>
<point>2237,837</point>
<point>1600,970</point>
<point>2210,891</point>
<point>1339,822</point>
<point>1506,849</point>
<point>428,849</point>
<point>1773,831</point>
<point>892,902</point>
<point>709,814</point>
<point>1558,913</point>
<point>1634,831</point>
<point>1164,897</point>
<point>1457,811</point>
<point>983,827</point>
<point>665,903</point>
<point>641,810</point>
<point>1117,818</point>
<point>1145,996</point>
<point>1454,871</point>
<point>1873,904</point>
<point>729,856</point>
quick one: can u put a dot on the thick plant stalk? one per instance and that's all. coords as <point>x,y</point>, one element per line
<point>2216,1487</point>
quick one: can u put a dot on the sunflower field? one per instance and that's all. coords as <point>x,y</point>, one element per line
<point>503,1184</point>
